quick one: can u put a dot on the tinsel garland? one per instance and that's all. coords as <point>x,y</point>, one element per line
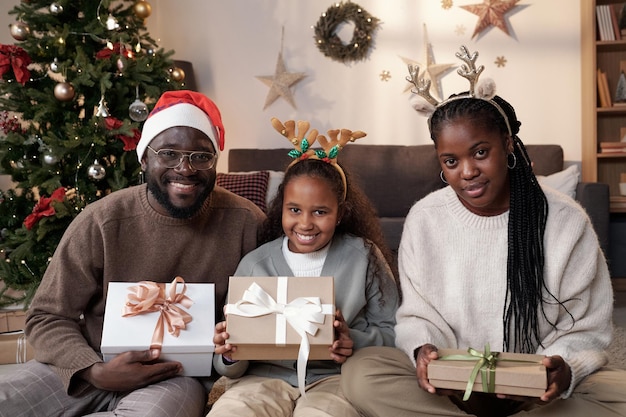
<point>331,45</point>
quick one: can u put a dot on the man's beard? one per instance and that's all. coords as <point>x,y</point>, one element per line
<point>179,213</point>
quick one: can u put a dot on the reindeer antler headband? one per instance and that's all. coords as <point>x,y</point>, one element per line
<point>486,90</point>
<point>302,144</point>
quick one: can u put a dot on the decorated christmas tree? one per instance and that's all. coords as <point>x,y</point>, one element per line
<point>74,91</point>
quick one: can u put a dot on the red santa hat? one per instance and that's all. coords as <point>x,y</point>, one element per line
<point>183,108</point>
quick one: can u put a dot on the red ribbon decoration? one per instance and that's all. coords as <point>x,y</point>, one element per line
<point>150,297</point>
<point>17,58</point>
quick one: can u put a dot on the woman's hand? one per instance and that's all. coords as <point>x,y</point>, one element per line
<point>219,339</point>
<point>341,349</point>
<point>559,377</point>
<point>425,354</point>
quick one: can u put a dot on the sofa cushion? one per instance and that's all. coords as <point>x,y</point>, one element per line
<point>251,185</point>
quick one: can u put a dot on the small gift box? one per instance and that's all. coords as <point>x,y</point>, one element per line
<point>14,348</point>
<point>178,318</point>
<point>270,317</point>
<point>12,320</point>
<point>501,373</point>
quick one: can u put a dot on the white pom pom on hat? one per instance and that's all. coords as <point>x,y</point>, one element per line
<point>183,108</point>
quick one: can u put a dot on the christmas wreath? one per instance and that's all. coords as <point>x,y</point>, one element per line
<point>331,45</point>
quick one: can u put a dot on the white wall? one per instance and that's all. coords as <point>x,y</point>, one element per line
<point>231,42</point>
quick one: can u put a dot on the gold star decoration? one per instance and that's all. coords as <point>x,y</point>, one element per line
<point>280,83</point>
<point>430,71</point>
<point>385,75</point>
<point>446,4</point>
<point>491,13</point>
<point>500,61</point>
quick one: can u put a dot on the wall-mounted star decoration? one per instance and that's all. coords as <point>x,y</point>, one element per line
<point>430,70</point>
<point>280,83</point>
<point>491,13</point>
<point>385,75</point>
<point>500,61</point>
<point>460,30</point>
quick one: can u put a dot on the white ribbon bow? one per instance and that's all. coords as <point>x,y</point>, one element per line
<point>302,314</point>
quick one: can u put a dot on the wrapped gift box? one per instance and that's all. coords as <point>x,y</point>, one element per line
<point>193,347</point>
<point>12,320</point>
<point>515,373</point>
<point>14,348</point>
<point>267,336</point>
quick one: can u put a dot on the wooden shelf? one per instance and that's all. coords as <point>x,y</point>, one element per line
<point>618,204</point>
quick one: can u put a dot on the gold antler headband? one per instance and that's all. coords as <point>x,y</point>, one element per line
<point>339,138</point>
<point>483,91</point>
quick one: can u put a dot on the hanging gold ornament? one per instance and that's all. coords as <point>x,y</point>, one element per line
<point>64,91</point>
<point>178,74</point>
<point>19,30</point>
<point>142,9</point>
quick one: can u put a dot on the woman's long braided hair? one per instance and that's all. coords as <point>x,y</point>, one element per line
<point>528,212</point>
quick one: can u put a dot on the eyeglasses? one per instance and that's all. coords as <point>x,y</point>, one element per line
<point>199,161</point>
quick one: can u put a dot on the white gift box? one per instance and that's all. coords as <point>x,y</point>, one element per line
<point>193,347</point>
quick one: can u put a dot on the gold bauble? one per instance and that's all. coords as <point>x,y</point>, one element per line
<point>19,30</point>
<point>142,9</point>
<point>64,91</point>
<point>178,74</point>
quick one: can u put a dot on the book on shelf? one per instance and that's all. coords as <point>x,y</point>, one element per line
<point>612,147</point>
<point>615,21</point>
<point>605,27</point>
<point>604,94</point>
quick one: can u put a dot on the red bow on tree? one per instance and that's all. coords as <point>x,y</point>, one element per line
<point>12,56</point>
<point>44,208</point>
<point>130,142</point>
<point>107,52</point>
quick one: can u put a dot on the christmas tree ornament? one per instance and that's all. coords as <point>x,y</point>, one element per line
<point>49,158</point>
<point>138,111</point>
<point>120,64</point>
<point>64,91</point>
<point>331,45</point>
<point>54,65</point>
<point>281,82</point>
<point>19,30</point>
<point>102,110</point>
<point>432,70</point>
<point>177,74</point>
<point>112,23</point>
<point>142,9</point>
<point>56,8</point>
<point>150,52</point>
<point>491,13</point>
<point>96,171</point>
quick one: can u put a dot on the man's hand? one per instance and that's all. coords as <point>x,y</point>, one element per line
<point>130,370</point>
<point>341,349</point>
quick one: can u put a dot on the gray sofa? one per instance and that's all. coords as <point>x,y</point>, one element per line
<point>394,177</point>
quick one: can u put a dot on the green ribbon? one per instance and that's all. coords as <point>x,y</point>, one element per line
<point>485,364</point>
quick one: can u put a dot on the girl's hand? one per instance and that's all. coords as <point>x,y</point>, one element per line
<point>219,339</point>
<point>341,349</point>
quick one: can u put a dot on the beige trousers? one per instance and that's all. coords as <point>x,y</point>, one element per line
<point>381,381</point>
<point>254,396</point>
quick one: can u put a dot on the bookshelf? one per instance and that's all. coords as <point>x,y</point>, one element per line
<point>602,123</point>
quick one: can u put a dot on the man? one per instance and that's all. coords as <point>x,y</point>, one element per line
<point>177,224</point>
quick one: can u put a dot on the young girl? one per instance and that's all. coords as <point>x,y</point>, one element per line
<point>493,259</point>
<point>319,224</point>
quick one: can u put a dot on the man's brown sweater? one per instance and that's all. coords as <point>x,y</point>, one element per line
<point>121,238</point>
